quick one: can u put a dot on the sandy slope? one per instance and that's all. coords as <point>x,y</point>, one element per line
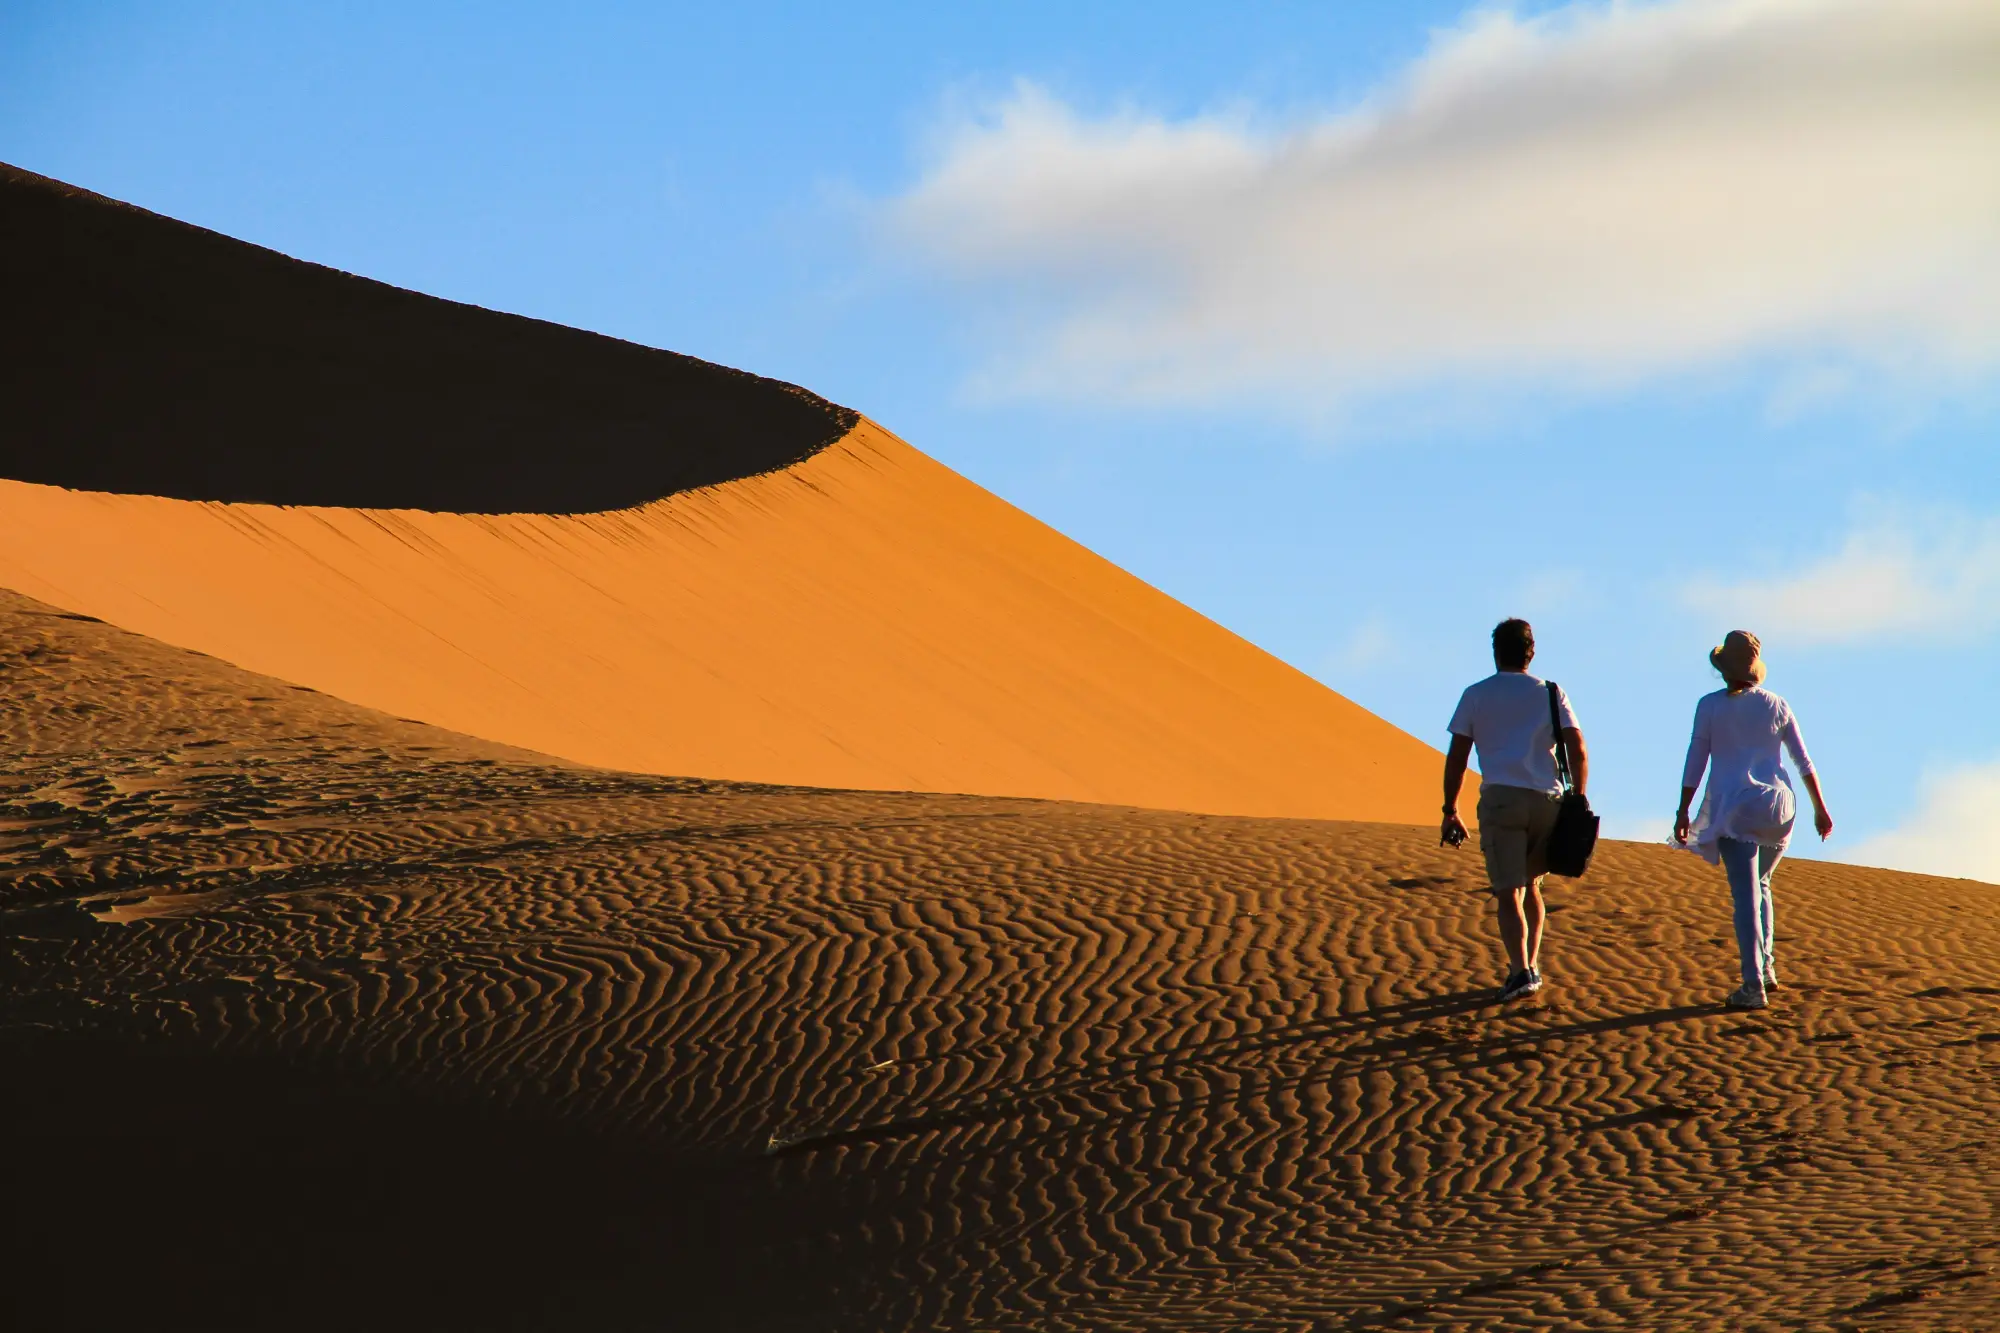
<point>866,618</point>
<point>768,588</point>
<point>318,1019</point>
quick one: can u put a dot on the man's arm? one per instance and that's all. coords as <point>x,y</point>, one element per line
<point>1579,759</point>
<point>1453,828</point>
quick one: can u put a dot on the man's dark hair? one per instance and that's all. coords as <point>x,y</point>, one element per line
<point>1513,644</point>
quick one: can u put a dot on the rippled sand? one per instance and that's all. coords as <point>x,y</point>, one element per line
<point>315,1018</point>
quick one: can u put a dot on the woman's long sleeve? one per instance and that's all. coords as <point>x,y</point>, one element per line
<point>1697,759</point>
<point>1795,745</point>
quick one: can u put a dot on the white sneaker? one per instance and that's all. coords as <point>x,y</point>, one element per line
<point>1771,977</point>
<point>1745,998</point>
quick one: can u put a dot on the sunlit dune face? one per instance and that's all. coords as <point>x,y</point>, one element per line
<point>866,618</point>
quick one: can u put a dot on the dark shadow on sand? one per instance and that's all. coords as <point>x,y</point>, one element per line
<point>1075,1103</point>
<point>151,1189</point>
<point>144,355</point>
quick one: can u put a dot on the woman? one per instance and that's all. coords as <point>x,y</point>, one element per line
<point>1746,817</point>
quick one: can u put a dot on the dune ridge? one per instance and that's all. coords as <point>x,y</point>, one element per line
<point>866,618</point>
<point>620,556</point>
<point>143,355</point>
<point>317,1017</point>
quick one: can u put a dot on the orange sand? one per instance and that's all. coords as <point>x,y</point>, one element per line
<point>316,1020</point>
<point>865,619</point>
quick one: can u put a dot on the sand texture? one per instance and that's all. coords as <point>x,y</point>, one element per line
<point>142,355</point>
<point>865,618</point>
<point>317,1019</point>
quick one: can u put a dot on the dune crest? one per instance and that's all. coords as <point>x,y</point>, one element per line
<point>866,618</point>
<point>146,356</point>
<point>596,550</point>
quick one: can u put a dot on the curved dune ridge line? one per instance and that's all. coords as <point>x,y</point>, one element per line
<point>617,555</point>
<point>866,618</point>
<point>322,1020</point>
<point>145,356</point>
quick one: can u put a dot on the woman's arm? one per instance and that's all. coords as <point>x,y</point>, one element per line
<point>1795,745</point>
<point>1821,819</point>
<point>1691,771</point>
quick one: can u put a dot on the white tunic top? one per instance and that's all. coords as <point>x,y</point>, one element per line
<point>1737,738</point>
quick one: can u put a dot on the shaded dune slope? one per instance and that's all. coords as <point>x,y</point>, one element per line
<point>317,1017</point>
<point>864,619</point>
<point>139,354</point>
<point>775,589</point>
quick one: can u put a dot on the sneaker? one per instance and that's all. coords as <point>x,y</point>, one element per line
<point>1534,981</point>
<point>1771,978</point>
<point>1745,998</point>
<point>1521,983</point>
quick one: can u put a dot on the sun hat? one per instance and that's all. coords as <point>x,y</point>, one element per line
<point>1740,659</point>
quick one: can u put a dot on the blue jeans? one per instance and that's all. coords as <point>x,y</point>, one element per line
<point>1749,867</point>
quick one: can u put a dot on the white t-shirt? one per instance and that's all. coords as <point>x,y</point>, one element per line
<point>1506,717</point>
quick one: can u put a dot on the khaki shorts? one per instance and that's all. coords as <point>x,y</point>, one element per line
<point>1514,828</point>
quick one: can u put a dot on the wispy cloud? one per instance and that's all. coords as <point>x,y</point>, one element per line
<point>1952,832</point>
<point>1637,828</point>
<point>1933,574</point>
<point>1370,645</point>
<point>1598,193</point>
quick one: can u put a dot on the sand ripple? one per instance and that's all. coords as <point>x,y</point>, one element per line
<point>823,1060</point>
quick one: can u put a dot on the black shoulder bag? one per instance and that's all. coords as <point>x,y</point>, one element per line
<point>1574,837</point>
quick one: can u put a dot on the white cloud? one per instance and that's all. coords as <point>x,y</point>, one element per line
<point>1372,644</point>
<point>1953,832</point>
<point>1637,828</point>
<point>1608,191</point>
<point>1933,574</point>
<point>1553,590</point>
<point>1805,389</point>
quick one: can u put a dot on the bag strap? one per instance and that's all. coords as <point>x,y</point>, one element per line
<point>1556,734</point>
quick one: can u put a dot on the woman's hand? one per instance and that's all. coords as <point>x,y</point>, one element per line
<point>1681,826</point>
<point>1821,819</point>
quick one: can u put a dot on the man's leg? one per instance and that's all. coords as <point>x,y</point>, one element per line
<point>1504,830</point>
<point>1513,928</point>
<point>1533,915</point>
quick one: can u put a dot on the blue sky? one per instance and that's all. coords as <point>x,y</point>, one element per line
<point>1356,326</point>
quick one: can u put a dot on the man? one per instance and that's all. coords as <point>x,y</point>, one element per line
<point>1506,716</point>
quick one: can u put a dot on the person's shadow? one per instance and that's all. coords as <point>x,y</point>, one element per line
<point>1073,1101</point>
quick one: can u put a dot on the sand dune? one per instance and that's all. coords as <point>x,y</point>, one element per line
<point>319,1017</point>
<point>801,598</point>
<point>315,1018</point>
<point>866,618</point>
